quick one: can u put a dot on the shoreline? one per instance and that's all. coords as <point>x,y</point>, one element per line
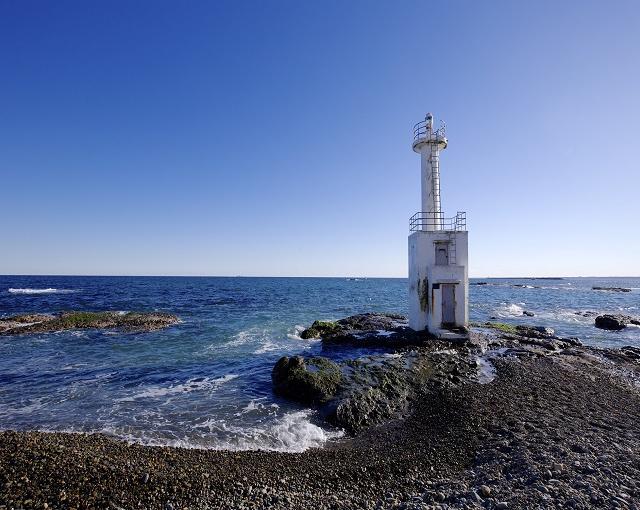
<point>550,430</point>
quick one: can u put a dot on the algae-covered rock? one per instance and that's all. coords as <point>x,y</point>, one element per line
<point>366,330</point>
<point>312,380</point>
<point>130,321</point>
<point>319,329</point>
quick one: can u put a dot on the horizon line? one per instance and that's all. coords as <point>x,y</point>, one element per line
<point>299,276</point>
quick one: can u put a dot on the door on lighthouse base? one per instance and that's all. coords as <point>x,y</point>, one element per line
<point>448,304</point>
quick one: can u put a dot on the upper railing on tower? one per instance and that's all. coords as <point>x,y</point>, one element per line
<point>436,221</point>
<point>421,130</point>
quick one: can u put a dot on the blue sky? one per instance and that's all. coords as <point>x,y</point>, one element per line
<point>274,138</point>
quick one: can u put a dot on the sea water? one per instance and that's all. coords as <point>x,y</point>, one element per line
<point>206,383</point>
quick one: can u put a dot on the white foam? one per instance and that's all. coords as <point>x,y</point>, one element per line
<point>257,405</point>
<point>295,335</point>
<point>195,384</point>
<point>268,346</point>
<point>40,291</point>
<point>293,432</point>
<point>510,310</point>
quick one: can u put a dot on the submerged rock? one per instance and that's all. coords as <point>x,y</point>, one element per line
<point>615,322</point>
<point>42,323</point>
<point>612,289</point>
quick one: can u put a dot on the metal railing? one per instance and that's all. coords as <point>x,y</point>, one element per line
<point>436,221</point>
<point>420,130</point>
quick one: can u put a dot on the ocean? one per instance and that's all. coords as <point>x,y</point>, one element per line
<point>206,382</point>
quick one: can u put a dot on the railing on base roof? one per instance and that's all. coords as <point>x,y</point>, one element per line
<point>436,221</point>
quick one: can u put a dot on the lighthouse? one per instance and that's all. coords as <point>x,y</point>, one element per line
<point>438,248</point>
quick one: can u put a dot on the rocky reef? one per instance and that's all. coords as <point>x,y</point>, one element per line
<point>612,289</point>
<point>44,323</point>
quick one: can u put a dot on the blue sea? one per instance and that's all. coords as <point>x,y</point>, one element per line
<point>206,382</point>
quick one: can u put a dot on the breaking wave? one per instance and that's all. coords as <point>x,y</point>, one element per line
<point>41,291</point>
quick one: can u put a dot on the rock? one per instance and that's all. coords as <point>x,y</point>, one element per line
<point>613,322</point>
<point>367,329</point>
<point>131,321</point>
<point>535,331</point>
<point>588,313</point>
<point>502,505</point>
<point>528,314</point>
<point>484,491</point>
<point>319,329</point>
<point>314,380</point>
<point>612,289</point>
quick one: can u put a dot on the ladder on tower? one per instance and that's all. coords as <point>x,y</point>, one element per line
<point>452,248</point>
<point>435,183</point>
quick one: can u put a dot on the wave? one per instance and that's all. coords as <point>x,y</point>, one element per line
<point>295,335</point>
<point>293,432</point>
<point>194,384</point>
<point>509,310</point>
<point>41,291</point>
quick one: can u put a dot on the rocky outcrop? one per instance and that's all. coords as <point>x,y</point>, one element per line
<point>43,323</point>
<point>537,336</point>
<point>615,322</point>
<point>366,330</point>
<point>612,289</point>
<point>368,390</point>
<point>358,393</point>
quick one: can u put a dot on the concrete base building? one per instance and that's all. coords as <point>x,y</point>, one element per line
<point>438,249</point>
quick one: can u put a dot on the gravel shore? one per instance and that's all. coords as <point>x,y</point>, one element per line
<point>551,431</point>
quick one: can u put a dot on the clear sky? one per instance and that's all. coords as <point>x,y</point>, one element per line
<point>274,138</point>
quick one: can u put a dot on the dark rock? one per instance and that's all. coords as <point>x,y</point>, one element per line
<point>478,283</point>
<point>587,313</point>
<point>612,289</point>
<point>535,331</point>
<point>319,329</point>
<point>312,380</point>
<point>131,321</point>
<point>528,314</point>
<point>484,491</point>
<point>358,393</point>
<point>367,329</point>
<point>613,322</point>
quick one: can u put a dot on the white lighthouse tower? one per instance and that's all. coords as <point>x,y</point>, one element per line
<point>438,275</point>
